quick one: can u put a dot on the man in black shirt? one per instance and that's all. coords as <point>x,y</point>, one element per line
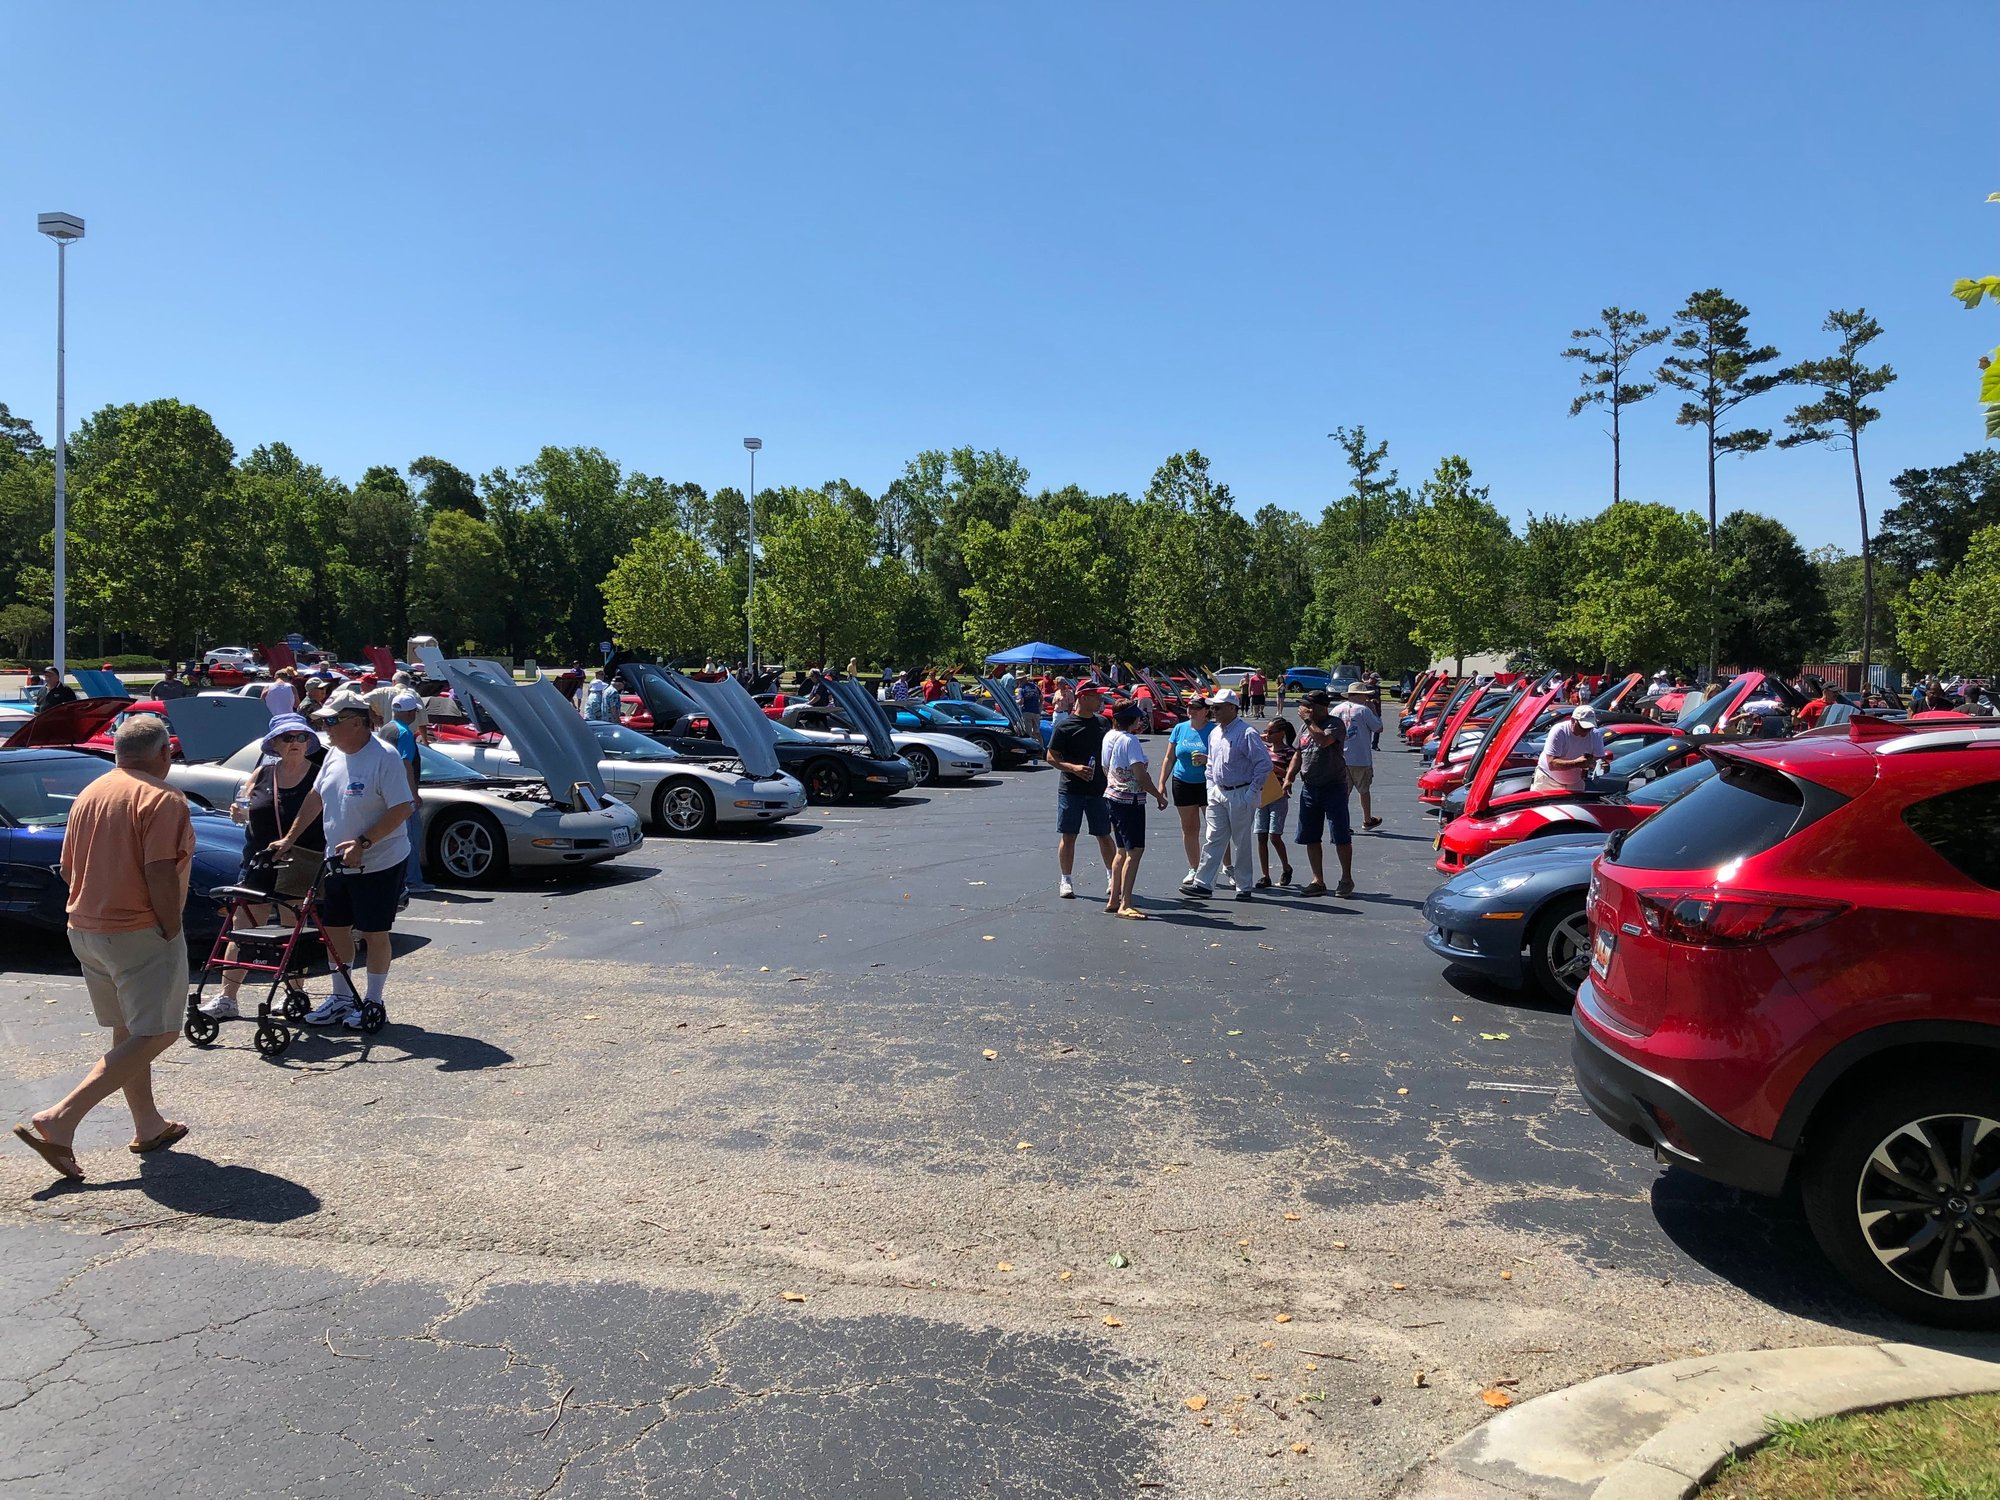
<point>1077,750</point>
<point>57,692</point>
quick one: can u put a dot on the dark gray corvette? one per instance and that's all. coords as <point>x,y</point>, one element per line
<point>1517,915</point>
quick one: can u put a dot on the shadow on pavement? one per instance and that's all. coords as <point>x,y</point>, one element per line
<point>452,1053</point>
<point>185,1183</point>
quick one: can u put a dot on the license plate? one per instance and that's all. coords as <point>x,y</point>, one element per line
<point>1602,942</point>
<point>620,838</point>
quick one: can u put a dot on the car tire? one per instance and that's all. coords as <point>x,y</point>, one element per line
<point>468,848</point>
<point>1559,949</point>
<point>684,808</point>
<point>1890,1258</point>
<point>988,744</point>
<point>827,781</point>
<point>923,763</point>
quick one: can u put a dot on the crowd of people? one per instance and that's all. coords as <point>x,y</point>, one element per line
<point>1232,788</point>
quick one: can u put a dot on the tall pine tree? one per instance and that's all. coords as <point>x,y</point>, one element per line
<point>1607,354</point>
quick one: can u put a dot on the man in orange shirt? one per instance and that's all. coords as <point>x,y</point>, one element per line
<point>127,849</point>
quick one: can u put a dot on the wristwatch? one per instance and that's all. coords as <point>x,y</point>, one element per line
<point>364,841</point>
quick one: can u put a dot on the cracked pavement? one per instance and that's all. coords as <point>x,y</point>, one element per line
<point>543,1235</point>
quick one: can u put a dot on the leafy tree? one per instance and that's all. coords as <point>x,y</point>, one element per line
<point>815,601</point>
<point>302,512</point>
<point>1278,588</point>
<point>668,596</point>
<point>1351,618</point>
<point>532,549</point>
<point>27,519</point>
<point>1363,513</point>
<point>1548,561</point>
<point>1647,589</point>
<point>729,522</point>
<point>1971,291</point>
<point>1607,354</point>
<point>581,492</point>
<point>1779,614</point>
<point>381,535</point>
<point>1185,601</point>
<point>461,584</point>
<point>446,487</point>
<point>1451,556</point>
<point>1717,369</point>
<point>1950,618</point>
<point>922,625</point>
<point>28,628</point>
<point>1840,578</point>
<point>1836,419</point>
<point>1941,509</point>
<point>1043,577</point>
<point>19,442</point>
<point>938,497</point>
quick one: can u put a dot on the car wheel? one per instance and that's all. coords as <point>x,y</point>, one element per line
<point>923,763</point>
<point>1903,1194</point>
<point>1559,949</point>
<point>987,743</point>
<point>469,848</point>
<point>684,808</point>
<point>826,781</point>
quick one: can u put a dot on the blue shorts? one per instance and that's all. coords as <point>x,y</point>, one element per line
<point>1074,810</point>
<point>1271,817</point>
<point>1324,806</point>
<point>365,902</point>
<point>1128,823</point>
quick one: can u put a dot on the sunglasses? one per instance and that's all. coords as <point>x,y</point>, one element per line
<point>294,738</point>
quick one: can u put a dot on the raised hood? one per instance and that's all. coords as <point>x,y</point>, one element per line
<point>544,729</point>
<point>216,728</point>
<point>865,714</point>
<point>98,683</point>
<point>69,724</point>
<point>1507,733</point>
<point>735,715</point>
<point>1617,694</point>
<point>1010,709</point>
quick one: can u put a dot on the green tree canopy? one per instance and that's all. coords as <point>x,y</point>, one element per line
<point>668,596</point>
<point>1950,618</point>
<point>1607,353</point>
<point>1777,611</point>
<point>1451,558</point>
<point>1647,589</point>
<point>1043,577</point>
<point>461,586</point>
<point>1941,509</point>
<point>815,599</point>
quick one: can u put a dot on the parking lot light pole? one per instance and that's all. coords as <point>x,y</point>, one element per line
<point>750,542</point>
<point>63,229</point>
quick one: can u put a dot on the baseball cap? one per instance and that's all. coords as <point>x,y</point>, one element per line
<point>1317,698</point>
<point>1585,715</point>
<point>405,702</point>
<point>342,702</point>
<point>1222,696</point>
<point>1125,713</point>
<point>1088,687</point>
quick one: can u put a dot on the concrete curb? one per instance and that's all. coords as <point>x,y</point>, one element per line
<point>1661,1432</point>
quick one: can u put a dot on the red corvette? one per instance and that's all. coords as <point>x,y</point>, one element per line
<point>1422,721</point>
<point>1496,815</point>
<point>1463,735</point>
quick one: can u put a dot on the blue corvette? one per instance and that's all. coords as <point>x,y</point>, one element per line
<point>1517,915</point>
<point>36,789</point>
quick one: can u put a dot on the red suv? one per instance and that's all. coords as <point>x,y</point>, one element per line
<point>1793,974</point>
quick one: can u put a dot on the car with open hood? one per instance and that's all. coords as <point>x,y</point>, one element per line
<point>37,787</point>
<point>720,719</point>
<point>1006,732</point>
<point>680,795</point>
<point>934,754</point>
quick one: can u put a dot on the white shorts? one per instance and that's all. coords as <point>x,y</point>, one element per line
<point>137,980</point>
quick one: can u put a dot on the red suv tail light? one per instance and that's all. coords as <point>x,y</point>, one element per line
<point>1705,919</point>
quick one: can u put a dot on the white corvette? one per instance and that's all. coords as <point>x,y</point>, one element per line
<point>933,756</point>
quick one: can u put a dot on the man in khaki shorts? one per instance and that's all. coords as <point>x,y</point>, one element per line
<point>126,853</point>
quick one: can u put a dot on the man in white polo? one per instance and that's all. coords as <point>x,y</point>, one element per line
<point>1238,766</point>
<point>1567,753</point>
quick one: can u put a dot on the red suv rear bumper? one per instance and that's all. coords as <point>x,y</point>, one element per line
<point>1658,1113</point>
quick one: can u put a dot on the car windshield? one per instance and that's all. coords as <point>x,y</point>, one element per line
<point>1649,753</point>
<point>628,744</point>
<point>786,733</point>
<point>434,768</point>
<point>38,793</point>
<point>1670,788</point>
<point>967,713</point>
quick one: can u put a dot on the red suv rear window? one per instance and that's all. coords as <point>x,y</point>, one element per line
<point>1741,811</point>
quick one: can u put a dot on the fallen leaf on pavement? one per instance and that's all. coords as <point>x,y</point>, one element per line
<point>1282,1318</point>
<point>1418,1381</point>
<point>1005,1265</point>
<point>1291,1218</point>
<point>1232,1033</point>
<point>975,882</point>
<point>1111,1322</point>
<point>1197,1403</point>
<point>1063,1275</point>
<point>1301,1448</point>
<point>1024,1145</point>
<point>1496,1398</point>
<point>1117,1260</point>
<point>986,937</point>
<point>763,968</point>
<point>1268,1344</point>
<point>791,1296</point>
<point>1397,1286</point>
<point>1402,1091</point>
<point>1493,1036</point>
<point>1456,1019</point>
<point>1340,1244</point>
<point>989,1054</point>
<point>590,1018</point>
<point>1267,947</point>
<point>1506,1275</point>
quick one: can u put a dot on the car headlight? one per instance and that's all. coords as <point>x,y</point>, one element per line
<point>1498,885</point>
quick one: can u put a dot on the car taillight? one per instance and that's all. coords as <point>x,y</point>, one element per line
<point>1707,920</point>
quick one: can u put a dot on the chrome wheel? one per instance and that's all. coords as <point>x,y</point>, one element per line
<point>1568,950</point>
<point>1929,1206</point>
<point>684,808</point>
<point>921,762</point>
<point>468,850</point>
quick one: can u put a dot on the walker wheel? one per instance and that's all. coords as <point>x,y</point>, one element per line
<point>298,1005</point>
<point>272,1038</point>
<point>200,1029</point>
<point>374,1016</point>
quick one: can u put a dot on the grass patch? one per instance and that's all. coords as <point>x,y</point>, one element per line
<point>1928,1450</point>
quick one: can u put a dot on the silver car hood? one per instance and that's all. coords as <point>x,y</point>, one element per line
<point>544,728</point>
<point>216,728</point>
<point>1010,709</point>
<point>737,718</point>
<point>866,715</point>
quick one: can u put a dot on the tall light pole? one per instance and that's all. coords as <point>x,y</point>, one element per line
<point>63,229</point>
<point>750,541</point>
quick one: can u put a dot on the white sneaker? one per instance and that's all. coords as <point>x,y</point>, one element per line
<point>220,1007</point>
<point>340,1010</point>
<point>1067,890</point>
<point>1189,879</point>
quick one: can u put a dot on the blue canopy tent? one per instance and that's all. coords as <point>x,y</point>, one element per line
<point>1037,653</point>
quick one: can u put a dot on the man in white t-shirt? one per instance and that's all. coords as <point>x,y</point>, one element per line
<point>1357,711</point>
<point>1567,753</point>
<point>363,793</point>
<point>1128,782</point>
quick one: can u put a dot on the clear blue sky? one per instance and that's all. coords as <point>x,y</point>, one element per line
<point>1091,234</point>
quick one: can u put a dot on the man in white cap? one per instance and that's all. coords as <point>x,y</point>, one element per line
<point>1238,766</point>
<point>1571,746</point>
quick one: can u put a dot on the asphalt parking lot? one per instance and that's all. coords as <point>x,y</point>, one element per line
<point>847,1159</point>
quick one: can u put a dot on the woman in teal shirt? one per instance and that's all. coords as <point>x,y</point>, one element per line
<point>1189,744</point>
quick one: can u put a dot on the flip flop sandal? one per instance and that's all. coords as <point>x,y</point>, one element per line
<point>61,1158</point>
<point>175,1131</point>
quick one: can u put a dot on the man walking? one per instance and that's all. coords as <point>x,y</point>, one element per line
<point>1357,713</point>
<point>1238,766</point>
<point>1319,770</point>
<point>409,711</point>
<point>363,793</point>
<point>126,853</point>
<point>1129,782</point>
<point>1077,750</point>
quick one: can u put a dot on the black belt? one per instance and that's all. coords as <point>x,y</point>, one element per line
<point>1237,788</point>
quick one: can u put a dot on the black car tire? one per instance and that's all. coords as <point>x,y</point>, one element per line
<point>1888,1115</point>
<point>1559,944</point>
<point>478,849</point>
<point>987,743</point>
<point>923,763</point>
<point>826,780</point>
<point>684,808</point>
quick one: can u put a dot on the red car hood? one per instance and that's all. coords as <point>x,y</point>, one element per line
<point>1507,734</point>
<point>67,723</point>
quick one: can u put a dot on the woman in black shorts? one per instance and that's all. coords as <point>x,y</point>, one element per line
<point>1189,744</point>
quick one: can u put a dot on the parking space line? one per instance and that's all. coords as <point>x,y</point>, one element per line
<point>1550,1089</point>
<point>448,921</point>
